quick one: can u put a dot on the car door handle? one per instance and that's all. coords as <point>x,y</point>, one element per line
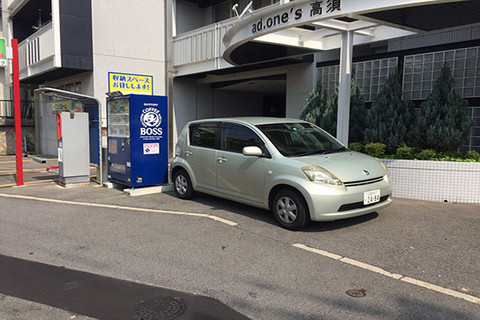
<point>222,159</point>
<point>188,153</point>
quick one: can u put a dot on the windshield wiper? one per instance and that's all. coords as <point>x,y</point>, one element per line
<point>309,153</point>
<point>334,150</point>
<point>326,151</point>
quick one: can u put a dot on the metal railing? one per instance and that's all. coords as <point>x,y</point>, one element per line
<point>202,44</point>
<point>37,48</point>
<point>7,114</point>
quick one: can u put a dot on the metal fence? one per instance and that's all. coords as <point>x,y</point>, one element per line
<point>27,109</point>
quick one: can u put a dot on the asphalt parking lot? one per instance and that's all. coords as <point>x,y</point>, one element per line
<point>413,260</point>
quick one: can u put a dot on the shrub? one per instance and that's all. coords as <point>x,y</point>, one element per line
<point>473,155</point>
<point>375,149</point>
<point>355,146</point>
<point>427,154</point>
<point>404,152</point>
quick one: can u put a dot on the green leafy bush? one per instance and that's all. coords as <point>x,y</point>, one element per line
<point>405,152</point>
<point>355,146</point>
<point>427,154</point>
<point>375,149</point>
<point>472,155</point>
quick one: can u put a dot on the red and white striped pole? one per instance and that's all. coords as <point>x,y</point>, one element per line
<point>17,113</point>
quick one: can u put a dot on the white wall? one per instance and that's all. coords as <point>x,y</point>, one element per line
<point>128,37</point>
<point>300,82</point>
<point>184,104</point>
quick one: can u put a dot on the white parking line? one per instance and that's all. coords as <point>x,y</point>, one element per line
<point>395,276</point>
<point>110,206</point>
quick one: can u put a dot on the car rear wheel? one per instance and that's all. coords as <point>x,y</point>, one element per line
<point>290,209</point>
<point>183,185</point>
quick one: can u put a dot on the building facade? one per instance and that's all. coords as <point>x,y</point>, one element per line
<point>75,45</point>
<point>79,45</point>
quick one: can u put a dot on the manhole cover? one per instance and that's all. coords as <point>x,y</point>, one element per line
<point>357,293</point>
<point>168,308</point>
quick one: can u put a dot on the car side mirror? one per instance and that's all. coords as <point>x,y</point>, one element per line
<point>252,151</point>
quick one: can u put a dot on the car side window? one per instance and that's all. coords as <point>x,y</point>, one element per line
<point>203,135</point>
<point>236,137</point>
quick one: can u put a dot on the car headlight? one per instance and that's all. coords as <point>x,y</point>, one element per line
<point>321,175</point>
<point>383,165</point>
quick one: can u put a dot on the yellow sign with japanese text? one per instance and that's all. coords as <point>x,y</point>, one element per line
<point>130,83</point>
<point>60,106</point>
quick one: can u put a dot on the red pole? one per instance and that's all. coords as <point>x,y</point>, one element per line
<point>17,113</point>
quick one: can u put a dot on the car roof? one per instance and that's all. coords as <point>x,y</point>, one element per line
<point>251,120</point>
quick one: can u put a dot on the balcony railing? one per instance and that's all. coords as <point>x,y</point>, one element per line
<point>36,54</point>
<point>7,114</point>
<point>201,49</point>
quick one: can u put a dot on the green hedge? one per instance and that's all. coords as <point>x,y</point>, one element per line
<point>377,150</point>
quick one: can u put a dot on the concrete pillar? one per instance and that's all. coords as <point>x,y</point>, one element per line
<point>300,83</point>
<point>345,79</point>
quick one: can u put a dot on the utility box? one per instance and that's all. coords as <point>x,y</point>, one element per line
<point>138,140</point>
<point>73,147</point>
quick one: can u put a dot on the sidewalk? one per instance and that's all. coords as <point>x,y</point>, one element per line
<point>33,172</point>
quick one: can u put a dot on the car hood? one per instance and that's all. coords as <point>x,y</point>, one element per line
<point>348,166</point>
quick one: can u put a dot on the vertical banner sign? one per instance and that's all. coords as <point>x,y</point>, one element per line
<point>3,52</point>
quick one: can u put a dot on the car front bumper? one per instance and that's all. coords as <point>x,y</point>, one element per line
<point>346,202</point>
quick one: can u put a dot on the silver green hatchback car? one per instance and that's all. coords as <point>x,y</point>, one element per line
<point>292,167</point>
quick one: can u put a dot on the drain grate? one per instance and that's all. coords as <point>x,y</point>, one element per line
<point>357,293</point>
<point>167,308</point>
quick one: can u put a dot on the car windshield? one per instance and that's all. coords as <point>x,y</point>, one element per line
<point>300,139</point>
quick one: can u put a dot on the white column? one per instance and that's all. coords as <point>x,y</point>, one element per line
<point>345,79</point>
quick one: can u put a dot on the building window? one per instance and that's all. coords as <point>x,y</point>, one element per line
<point>422,70</point>
<point>370,76</point>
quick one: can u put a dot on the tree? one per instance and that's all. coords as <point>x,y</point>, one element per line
<point>358,113</point>
<point>390,119</point>
<point>443,123</point>
<point>316,105</point>
<point>323,111</point>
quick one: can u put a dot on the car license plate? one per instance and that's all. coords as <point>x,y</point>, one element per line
<point>370,197</point>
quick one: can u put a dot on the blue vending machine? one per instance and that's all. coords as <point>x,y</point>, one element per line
<point>137,140</point>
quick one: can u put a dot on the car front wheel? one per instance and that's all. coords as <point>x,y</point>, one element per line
<point>290,209</point>
<point>183,185</point>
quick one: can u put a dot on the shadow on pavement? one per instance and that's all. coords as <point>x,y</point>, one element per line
<point>266,216</point>
<point>103,297</point>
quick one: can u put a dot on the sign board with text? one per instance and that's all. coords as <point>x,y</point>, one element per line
<point>3,52</point>
<point>128,83</point>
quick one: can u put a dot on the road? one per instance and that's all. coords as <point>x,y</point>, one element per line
<point>413,260</point>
